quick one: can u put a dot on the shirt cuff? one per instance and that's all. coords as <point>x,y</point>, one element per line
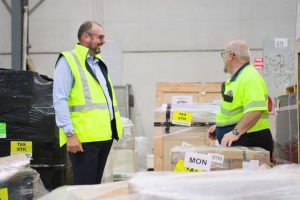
<point>68,128</point>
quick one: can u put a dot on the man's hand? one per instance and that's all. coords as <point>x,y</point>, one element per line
<point>73,144</point>
<point>228,138</point>
<point>212,132</point>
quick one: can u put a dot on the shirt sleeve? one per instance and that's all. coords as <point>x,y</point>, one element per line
<point>62,85</point>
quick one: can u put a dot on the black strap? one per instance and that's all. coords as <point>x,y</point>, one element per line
<point>193,124</point>
<point>168,115</point>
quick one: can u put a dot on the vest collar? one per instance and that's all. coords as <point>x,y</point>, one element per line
<point>83,51</point>
<point>238,72</point>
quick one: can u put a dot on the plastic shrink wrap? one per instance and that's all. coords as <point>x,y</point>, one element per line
<point>27,120</point>
<point>18,180</point>
<point>280,183</point>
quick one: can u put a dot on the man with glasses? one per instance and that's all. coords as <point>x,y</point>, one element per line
<point>242,119</point>
<point>85,105</point>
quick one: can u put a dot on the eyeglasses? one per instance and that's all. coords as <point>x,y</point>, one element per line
<point>223,53</point>
<point>100,37</point>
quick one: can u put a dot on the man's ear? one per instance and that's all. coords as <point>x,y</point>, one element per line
<point>84,38</point>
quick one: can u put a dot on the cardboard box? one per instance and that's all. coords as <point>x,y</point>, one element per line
<point>224,157</point>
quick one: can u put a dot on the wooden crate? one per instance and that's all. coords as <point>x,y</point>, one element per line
<point>200,92</point>
<point>163,143</point>
<point>168,135</point>
<point>233,156</point>
<point>210,92</point>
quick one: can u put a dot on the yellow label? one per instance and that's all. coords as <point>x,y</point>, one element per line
<point>3,194</point>
<point>179,167</point>
<point>21,147</point>
<point>183,118</point>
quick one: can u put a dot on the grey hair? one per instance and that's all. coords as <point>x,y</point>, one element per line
<point>240,48</point>
<point>86,28</point>
<point>242,51</point>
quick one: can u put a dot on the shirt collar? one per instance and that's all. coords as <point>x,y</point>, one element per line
<point>238,72</point>
<point>91,59</point>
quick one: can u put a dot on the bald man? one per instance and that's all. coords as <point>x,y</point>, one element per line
<point>242,119</point>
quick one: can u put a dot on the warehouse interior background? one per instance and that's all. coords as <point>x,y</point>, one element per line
<point>152,41</point>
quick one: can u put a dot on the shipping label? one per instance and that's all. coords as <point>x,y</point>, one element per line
<point>182,118</point>
<point>197,161</point>
<point>17,147</point>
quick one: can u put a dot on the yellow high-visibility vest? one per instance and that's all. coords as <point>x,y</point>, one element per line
<point>248,92</point>
<point>87,102</point>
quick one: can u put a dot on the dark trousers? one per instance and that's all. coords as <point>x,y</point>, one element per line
<point>261,139</point>
<point>88,166</point>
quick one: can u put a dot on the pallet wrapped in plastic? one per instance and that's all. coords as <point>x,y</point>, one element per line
<point>26,105</point>
<point>280,182</point>
<point>27,120</point>
<point>18,180</point>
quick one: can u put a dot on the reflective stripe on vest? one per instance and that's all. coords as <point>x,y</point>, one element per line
<point>256,104</point>
<point>231,112</point>
<point>240,109</point>
<point>232,122</point>
<point>89,105</point>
